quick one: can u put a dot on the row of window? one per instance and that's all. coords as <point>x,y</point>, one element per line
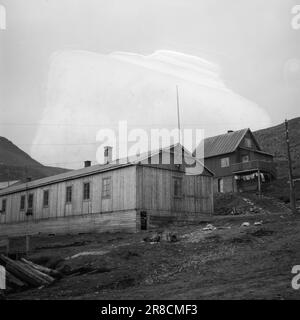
<point>29,202</point>
<point>106,193</point>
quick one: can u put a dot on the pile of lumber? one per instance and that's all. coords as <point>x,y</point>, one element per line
<point>22,274</point>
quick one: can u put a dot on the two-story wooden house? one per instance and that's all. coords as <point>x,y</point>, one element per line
<point>238,162</point>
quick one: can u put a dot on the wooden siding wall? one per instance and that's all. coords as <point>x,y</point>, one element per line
<point>107,222</point>
<point>229,184</point>
<point>214,164</point>
<point>252,155</point>
<point>155,192</point>
<point>123,198</point>
<point>134,189</point>
<point>244,144</point>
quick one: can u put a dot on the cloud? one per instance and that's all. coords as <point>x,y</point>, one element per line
<point>89,91</point>
<point>179,65</point>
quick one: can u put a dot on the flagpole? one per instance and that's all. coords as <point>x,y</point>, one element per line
<point>178,115</point>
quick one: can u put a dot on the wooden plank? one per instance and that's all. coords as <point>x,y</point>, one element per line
<point>23,273</point>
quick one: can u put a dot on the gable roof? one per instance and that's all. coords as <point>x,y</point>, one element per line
<point>224,143</point>
<point>115,164</point>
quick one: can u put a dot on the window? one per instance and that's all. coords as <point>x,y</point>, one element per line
<point>106,187</point>
<point>245,158</point>
<point>69,194</point>
<point>3,210</point>
<point>46,198</point>
<point>248,142</point>
<point>30,201</point>
<point>29,211</point>
<point>177,184</point>
<point>86,191</point>
<point>225,162</point>
<point>22,203</point>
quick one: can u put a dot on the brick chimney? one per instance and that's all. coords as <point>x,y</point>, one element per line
<point>107,154</point>
<point>87,163</point>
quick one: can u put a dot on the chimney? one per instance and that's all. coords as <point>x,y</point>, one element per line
<point>87,163</point>
<point>230,131</point>
<point>107,154</point>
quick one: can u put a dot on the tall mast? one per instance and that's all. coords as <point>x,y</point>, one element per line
<point>178,115</point>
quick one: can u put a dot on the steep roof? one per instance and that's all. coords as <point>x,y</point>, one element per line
<point>62,177</point>
<point>222,144</point>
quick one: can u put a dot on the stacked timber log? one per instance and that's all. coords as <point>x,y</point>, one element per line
<point>23,274</point>
<point>50,272</point>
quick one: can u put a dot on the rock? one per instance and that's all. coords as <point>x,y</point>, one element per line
<point>209,227</point>
<point>153,238</point>
<point>245,224</point>
<point>169,236</point>
<point>172,238</point>
<point>258,223</point>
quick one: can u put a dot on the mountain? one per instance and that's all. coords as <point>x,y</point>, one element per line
<point>273,140</point>
<point>15,164</point>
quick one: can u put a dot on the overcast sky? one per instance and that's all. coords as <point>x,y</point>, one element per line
<point>90,62</point>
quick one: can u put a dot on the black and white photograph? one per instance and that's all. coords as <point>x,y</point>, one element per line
<point>149,151</point>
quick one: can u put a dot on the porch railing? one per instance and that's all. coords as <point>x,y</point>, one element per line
<point>263,166</point>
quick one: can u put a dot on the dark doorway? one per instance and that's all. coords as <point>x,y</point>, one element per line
<point>143,220</point>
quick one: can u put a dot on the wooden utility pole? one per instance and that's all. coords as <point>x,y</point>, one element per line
<point>292,186</point>
<point>259,182</point>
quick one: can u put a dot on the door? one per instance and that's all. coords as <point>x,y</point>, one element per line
<point>30,206</point>
<point>143,220</point>
<point>106,194</point>
<point>177,199</point>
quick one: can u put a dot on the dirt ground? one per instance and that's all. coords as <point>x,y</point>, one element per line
<point>229,262</point>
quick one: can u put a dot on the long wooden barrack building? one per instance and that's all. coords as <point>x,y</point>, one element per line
<point>116,196</point>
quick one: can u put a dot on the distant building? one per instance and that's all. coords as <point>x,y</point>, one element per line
<point>237,161</point>
<point>130,196</point>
